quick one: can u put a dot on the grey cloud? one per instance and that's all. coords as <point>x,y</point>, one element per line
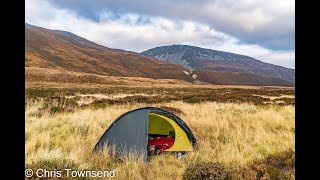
<point>224,16</point>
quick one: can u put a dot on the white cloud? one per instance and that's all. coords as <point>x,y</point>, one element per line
<point>248,14</point>
<point>126,33</point>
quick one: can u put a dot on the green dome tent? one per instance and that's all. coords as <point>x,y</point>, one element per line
<point>129,133</point>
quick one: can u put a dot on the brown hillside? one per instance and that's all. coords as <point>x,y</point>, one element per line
<point>66,51</point>
<point>235,78</point>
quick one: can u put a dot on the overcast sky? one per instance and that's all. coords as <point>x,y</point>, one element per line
<point>261,29</point>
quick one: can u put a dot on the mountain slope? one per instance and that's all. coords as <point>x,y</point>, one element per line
<point>66,51</point>
<point>63,52</point>
<point>223,67</point>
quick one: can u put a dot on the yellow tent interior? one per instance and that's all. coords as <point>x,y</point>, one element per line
<point>162,125</point>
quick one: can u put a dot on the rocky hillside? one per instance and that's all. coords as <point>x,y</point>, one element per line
<point>230,67</point>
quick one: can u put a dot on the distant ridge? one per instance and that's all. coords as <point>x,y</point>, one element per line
<point>227,67</point>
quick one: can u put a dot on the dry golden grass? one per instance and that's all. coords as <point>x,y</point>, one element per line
<point>231,134</point>
<point>275,97</point>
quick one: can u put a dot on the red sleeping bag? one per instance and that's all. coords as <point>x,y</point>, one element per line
<point>163,142</point>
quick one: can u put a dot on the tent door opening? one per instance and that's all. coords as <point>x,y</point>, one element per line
<point>166,133</point>
<point>161,134</point>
